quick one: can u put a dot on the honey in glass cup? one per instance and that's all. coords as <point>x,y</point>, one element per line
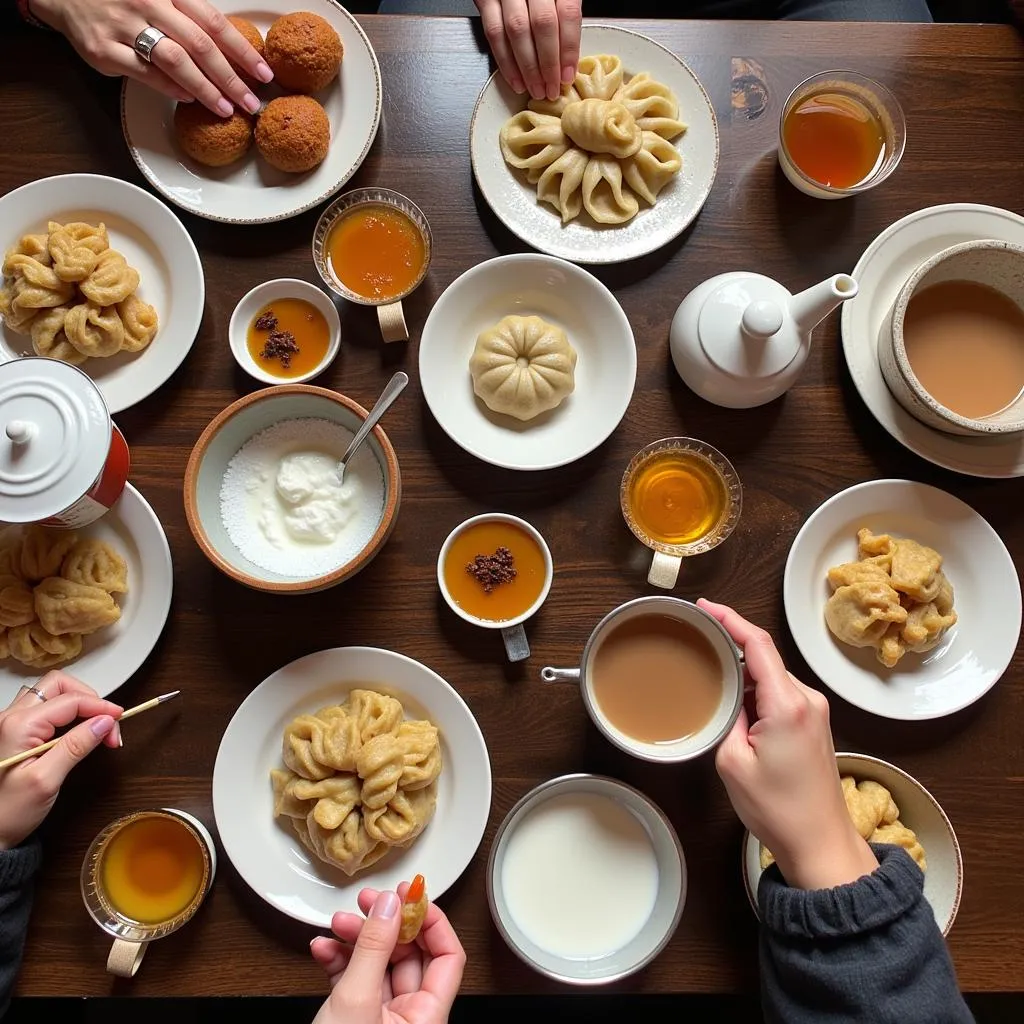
<point>680,497</point>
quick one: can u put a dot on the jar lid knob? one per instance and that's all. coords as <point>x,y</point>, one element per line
<point>20,431</point>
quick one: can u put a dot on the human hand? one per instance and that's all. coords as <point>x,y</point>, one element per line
<point>536,43</point>
<point>28,790</point>
<point>197,60</point>
<point>374,981</point>
<point>780,773</point>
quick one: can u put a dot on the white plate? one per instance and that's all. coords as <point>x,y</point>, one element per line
<point>564,294</point>
<point>920,812</point>
<point>267,853</point>
<point>514,200</point>
<point>153,241</point>
<point>113,655</point>
<point>881,272</point>
<point>250,191</point>
<point>974,653</point>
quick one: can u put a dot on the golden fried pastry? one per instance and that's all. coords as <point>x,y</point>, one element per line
<point>111,280</point>
<point>858,614</point>
<point>140,322</point>
<point>32,645</point>
<point>348,847</point>
<point>926,626</point>
<point>403,818</point>
<point>10,552</point>
<point>16,605</point>
<point>36,246</point>
<point>94,330</point>
<point>95,563</point>
<point>857,572</point>
<point>915,570</point>
<point>37,286</point>
<point>75,249</point>
<point>897,834</point>
<point>304,52</point>
<point>49,339</point>
<point>66,607</point>
<point>891,647</point>
<point>209,138</point>
<point>42,550</point>
<point>293,134</point>
<point>15,318</point>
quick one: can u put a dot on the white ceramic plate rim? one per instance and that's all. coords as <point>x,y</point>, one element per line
<point>868,690</point>
<point>863,316</point>
<point>119,655</point>
<point>669,223</point>
<point>234,802</point>
<point>146,371</point>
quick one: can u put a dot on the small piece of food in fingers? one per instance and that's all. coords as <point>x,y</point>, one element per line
<point>414,910</point>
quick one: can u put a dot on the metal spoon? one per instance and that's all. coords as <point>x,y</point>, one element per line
<point>387,396</point>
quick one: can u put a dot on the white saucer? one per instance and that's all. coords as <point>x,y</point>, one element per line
<point>971,657</point>
<point>514,200</point>
<point>152,240</point>
<point>250,191</point>
<point>112,656</point>
<point>268,855</point>
<point>881,272</point>
<point>562,293</point>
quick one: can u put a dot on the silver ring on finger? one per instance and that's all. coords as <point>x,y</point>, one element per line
<point>146,41</point>
<point>31,689</point>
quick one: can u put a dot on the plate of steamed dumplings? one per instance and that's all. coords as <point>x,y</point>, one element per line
<point>100,274</point>
<point>870,586</point>
<point>613,169</point>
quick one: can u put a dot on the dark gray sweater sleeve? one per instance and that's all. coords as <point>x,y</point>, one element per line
<point>865,953</point>
<point>17,867</point>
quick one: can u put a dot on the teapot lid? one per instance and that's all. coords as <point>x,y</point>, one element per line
<point>745,328</point>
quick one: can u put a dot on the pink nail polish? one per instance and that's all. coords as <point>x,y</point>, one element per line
<point>568,73</point>
<point>224,108</point>
<point>251,103</point>
<point>518,86</point>
<point>385,906</point>
<point>263,72</point>
<point>101,725</point>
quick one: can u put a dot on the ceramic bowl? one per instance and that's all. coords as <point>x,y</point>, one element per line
<point>920,812</point>
<point>262,295</point>
<point>659,927</point>
<point>231,429</point>
<point>988,261</point>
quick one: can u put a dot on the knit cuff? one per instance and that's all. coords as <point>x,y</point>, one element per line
<point>19,864</point>
<point>871,902</point>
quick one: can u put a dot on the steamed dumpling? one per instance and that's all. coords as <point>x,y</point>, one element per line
<point>94,330</point>
<point>545,106</point>
<point>111,280</point>
<point>49,339</point>
<point>653,106</point>
<point>602,126</point>
<point>531,141</point>
<point>858,614</point>
<point>523,366</point>
<point>605,197</point>
<point>75,248</point>
<point>561,184</point>
<point>598,76</point>
<point>66,607</point>
<point>652,167</point>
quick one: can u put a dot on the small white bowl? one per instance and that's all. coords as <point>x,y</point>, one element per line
<point>664,918</point>
<point>920,812</point>
<point>262,295</point>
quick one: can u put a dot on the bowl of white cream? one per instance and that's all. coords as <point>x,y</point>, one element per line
<point>264,500</point>
<point>586,880</point>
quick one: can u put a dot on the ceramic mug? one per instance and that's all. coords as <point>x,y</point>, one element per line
<point>729,656</point>
<point>131,936</point>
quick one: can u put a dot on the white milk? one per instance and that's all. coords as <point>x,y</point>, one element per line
<point>579,876</point>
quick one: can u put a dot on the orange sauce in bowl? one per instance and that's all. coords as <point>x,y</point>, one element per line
<point>309,332</point>
<point>377,252</point>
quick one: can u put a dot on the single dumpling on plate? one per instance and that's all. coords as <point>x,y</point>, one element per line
<point>523,366</point>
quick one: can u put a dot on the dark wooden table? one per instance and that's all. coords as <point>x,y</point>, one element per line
<point>963,92</point>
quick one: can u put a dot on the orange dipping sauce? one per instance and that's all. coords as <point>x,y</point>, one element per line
<point>377,252</point>
<point>834,138</point>
<point>309,332</point>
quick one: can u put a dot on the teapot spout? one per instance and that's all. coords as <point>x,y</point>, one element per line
<point>810,307</point>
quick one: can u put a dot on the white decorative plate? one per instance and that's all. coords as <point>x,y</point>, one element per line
<point>153,241</point>
<point>565,295</point>
<point>250,191</point>
<point>974,653</point>
<point>269,856</point>
<point>113,655</point>
<point>514,200</point>
<point>881,272</point>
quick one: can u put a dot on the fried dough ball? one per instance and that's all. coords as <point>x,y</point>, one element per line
<point>251,34</point>
<point>293,133</point>
<point>303,51</point>
<point>209,138</point>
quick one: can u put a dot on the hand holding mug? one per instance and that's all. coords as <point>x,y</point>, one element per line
<point>780,772</point>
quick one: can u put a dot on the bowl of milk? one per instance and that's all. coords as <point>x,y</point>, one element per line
<point>586,880</point>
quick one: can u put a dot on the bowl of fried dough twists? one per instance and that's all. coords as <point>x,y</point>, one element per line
<point>889,806</point>
<point>359,779</point>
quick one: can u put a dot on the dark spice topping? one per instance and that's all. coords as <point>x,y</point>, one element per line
<point>491,571</point>
<point>266,322</point>
<point>280,345</point>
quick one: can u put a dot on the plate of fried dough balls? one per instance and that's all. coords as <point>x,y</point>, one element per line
<point>101,274</point>
<point>318,119</point>
<point>92,601</point>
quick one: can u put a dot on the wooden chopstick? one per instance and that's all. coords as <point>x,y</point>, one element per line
<point>43,747</point>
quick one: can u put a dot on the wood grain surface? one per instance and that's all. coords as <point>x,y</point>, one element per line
<point>963,92</point>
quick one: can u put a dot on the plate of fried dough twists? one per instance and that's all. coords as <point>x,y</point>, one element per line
<point>902,599</point>
<point>93,601</point>
<point>100,274</point>
<point>613,169</point>
<point>348,768</point>
<point>889,806</point>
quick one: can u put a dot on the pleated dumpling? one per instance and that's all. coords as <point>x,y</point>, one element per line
<point>556,106</point>
<point>111,280</point>
<point>375,713</point>
<point>652,167</point>
<point>421,754</point>
<point>140,323</point>
<point>35,647</point>
<point>379,764</point>
<point>34,245</point>
<point>522,366</point>
<point>94,330</point>
<point>348,847</point>
<point>532,141</point>
<point>404,818</point>
<point>653,106</point>
<point>561,184</point>
<point>860,613</point>
<point>36,285</point>
<point>598,76</point>
<point>16,318</point>
<point>66,607</point>
<point>75,248</point>
<point>42,551</point>
<point>605,197</point>
<point>96,564</point>
<point>602,126</point>
<point>49,339</point>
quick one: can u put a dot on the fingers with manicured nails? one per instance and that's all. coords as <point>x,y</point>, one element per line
<point>544,22</point>
<point>570,23</point>
<point>73,747</point>
<point>520,36</point>
<point>229,40</point>
<point>494,29</point>
<point>371,954</point>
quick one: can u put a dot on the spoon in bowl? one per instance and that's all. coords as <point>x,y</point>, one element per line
<point>394,388</point>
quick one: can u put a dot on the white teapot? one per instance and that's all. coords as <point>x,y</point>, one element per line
<point>741,339</point>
